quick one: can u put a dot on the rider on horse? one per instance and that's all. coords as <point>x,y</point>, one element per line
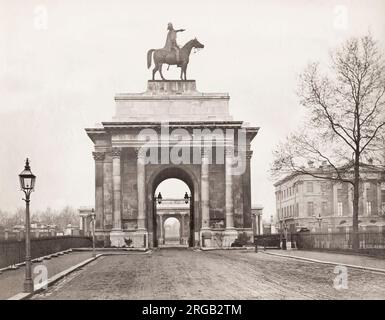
<point>171,44</point>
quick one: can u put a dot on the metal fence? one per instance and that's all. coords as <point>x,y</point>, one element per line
<point>268,240</point>
<point>13,251</point>
<point>369,241</point>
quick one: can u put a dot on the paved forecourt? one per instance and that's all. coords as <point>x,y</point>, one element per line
<point>189,274</point>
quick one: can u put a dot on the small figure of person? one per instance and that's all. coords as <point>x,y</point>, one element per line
<point>171,44</point>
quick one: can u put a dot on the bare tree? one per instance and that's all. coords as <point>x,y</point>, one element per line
<point>345,121</point>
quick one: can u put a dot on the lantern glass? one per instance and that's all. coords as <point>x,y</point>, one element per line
<point>160,198</point>
<point>27,178</point>
<point>186,197</point>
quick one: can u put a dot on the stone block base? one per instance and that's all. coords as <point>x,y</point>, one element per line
<point>218,239</point>
<point>139,239</point>
<point>117,239</point>
<point>229,237</point>
<point>206,240</point>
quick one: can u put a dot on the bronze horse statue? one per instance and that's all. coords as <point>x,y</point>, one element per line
<point>162,56</point>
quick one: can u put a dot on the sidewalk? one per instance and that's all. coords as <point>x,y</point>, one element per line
<point>11,281</point>
<point>334,258</point>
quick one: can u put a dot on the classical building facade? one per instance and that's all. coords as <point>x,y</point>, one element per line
<point>303,201</point>
<point>171,131</point>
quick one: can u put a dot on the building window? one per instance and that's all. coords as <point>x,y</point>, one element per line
<point>368,208</point>
<point>382,185</point>
<point>310,209</point>
<point>324,208</point>
<point>297,210</point>
<point>309,187</point>
<point>323,187</point>
<point>340,209</point>
<point>383,208</point>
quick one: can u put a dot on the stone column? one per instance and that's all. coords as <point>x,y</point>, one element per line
<point>350,200</point>
<point>229,188</point>
<point>182,228</point>
<point>259,224</point>
<point>108,193</point>
<point>99,158</point>
<point>246,181</point>
<point>364,200</point>
<point>141,185</point>
<point>205,189</point>
<point>230,233</point>
<point>379,200</point>
<point>141,235</point>
<point>335,199</point>
<point>86,226</point>
<point>116,180</point>
<point>117,234</point>
<point>161,238</point>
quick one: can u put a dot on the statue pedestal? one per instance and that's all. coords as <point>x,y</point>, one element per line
<point>172,100</point>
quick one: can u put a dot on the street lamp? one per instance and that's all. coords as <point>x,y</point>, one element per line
<point>93,219</point>
<point>319,219</point>
<point>159,198</point>
<point>186,198</point>
<point>284,234</point>
<point>27,184</point>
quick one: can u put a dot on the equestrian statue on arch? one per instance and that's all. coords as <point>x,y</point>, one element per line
<point>172,54</point>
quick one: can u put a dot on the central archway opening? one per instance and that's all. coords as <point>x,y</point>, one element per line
<point>172,231</point>
<point>173,196</point>
<point>172,213</point>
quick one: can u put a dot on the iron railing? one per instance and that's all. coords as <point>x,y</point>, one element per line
<point>13,251</point>
<point>339,240</point>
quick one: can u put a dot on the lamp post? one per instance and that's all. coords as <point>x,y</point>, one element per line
<point>253,222</point>
<point>186,198</point>
<point>319,220</point>
<point>27,184</point>
<point>284,238</point>
<point>159,198</point>
<point>93,218</point>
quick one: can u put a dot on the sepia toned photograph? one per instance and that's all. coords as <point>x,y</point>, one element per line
<point>192,156</point>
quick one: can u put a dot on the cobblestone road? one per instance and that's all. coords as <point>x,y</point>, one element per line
<point>188,274</point>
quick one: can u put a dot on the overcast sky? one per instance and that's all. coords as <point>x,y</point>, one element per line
<point>62,62</point>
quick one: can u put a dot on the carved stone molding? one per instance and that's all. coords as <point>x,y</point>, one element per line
<point>98,156</point>
<point>116,152</point>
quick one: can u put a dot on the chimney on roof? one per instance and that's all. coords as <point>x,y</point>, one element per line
<point>310,164</point>
<point>370,160</point>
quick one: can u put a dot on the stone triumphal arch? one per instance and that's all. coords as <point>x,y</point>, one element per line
<point>172,131</point>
